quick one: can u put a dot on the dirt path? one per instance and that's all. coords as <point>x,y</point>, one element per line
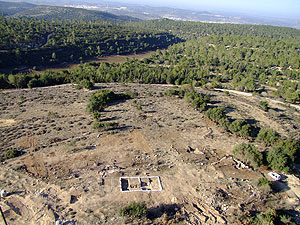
<point>251,95</point>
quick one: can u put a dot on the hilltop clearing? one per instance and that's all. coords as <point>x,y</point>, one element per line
<point>68,170</point>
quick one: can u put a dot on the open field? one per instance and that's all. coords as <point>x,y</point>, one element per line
<point>108,59</point>
<point>71,171</point>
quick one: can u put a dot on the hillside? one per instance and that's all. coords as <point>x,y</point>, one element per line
<point>58,13</point>
<point>53,42</point>
<point>11,8</point>
<point>67,170</point>
<point>193,30</point>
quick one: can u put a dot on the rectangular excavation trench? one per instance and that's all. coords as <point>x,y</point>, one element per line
<point>132,184</point>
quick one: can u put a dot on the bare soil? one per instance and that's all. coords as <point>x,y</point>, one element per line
<point>108,59</point>
<point>72,172</point>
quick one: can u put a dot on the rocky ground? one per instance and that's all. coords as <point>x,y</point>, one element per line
<point>70,171</point>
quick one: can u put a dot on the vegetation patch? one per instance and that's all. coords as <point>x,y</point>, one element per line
<point>264,185</point>
<point>101,99</point>
<point>134,209</point>
<point>12,153</point>
<point>249,154</point>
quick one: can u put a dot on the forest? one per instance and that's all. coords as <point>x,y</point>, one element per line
<point>241,57</point>
<point>33,42</point>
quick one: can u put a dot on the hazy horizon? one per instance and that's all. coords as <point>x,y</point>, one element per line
<point>279,8</point>
<point>288,9</point>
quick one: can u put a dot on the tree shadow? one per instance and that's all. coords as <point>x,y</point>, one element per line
<point>279,186</point>
<point>109,119</point>
<point>230,109</point>
<point>120,128</point>
<point>96,87</point>
<point>251,121</point>
<point>117,102</point>
<point>15,193</point>
<point>70,222</point>
<point>115,110</point>
<point>277,110</point>
<point>168,209</point>
<point>215,102</point>
<point>150,111</point>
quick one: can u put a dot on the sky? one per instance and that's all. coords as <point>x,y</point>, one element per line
<point>278,8</point>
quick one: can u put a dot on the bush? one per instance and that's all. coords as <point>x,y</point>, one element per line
<point>249,154</point>
<point>134,209</point>
<point>100,99</point>
<point>269,217</point>
<point>264,105</point>
<point>34,83</point>
<point>197,100</point>
<point>85,84</point>
<point>290,147</point>
<point>216,114</point>
<point>270,137</point>
<point>278,160</point>
<point>242,128</point>
<point>224,122</point>
<point>104,125</point>
<point>97,116</point>
<point>246,130</point>
<point>131,94</point>
<point>264,184</point>
<point>236,126</point>
<point>12,153</point>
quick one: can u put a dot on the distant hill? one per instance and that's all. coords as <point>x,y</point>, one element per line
<point>11,8</point>
<point>19,9</point>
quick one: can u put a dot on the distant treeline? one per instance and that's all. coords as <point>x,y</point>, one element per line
<point>235,62</point>
<point>242,57</point>
<point>192,30</point>
<point>33,42</point>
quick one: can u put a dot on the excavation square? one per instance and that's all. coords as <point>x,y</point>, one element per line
<point>130,184</point>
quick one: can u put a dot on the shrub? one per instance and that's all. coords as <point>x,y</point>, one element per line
<point>100,99</point>
<point>34,83</point>
<point>278,160</point>
<point>134,209</point>
<point>270,137</point>
<point>224,122</point>
<point>285,219</point>
<point>236,126</point>
<point>172,91</point>
<point>12,153</point>
<point>246,130</point>
<point>197,100</point>
<point>97,116</point>
<point>104,125</point>
<point>216,114</point>
<point>264,184</point>
<point>86,84</point>
<point>249,154</point>
<point>131,94</point>
<point>264,105</point>
<point>290,147</point>
<point>267,217</point>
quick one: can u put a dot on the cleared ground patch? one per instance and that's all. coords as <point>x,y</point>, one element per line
<point>70,170</point>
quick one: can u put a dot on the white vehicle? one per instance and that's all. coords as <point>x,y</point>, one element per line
<point>275,176</point>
